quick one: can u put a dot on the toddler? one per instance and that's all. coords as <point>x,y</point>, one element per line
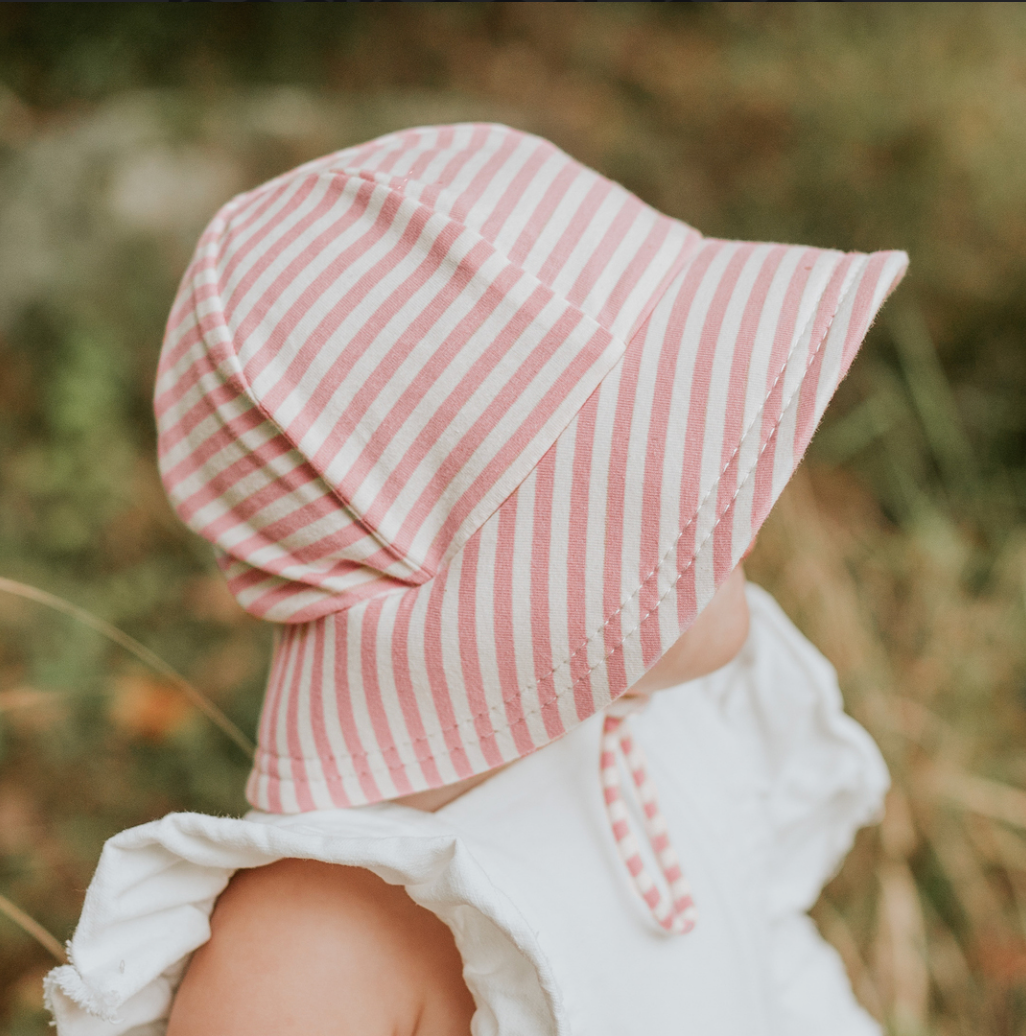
<point>489,438</point>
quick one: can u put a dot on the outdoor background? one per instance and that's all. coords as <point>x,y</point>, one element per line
<point>900,548</point>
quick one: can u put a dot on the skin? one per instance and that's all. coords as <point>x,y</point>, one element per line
<point>301,947</point>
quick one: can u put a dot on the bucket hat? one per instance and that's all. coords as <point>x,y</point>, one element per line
<point>483,433</point>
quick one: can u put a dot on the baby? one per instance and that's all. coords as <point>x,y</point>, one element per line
<point>292,941</point>
<point>489,438</point>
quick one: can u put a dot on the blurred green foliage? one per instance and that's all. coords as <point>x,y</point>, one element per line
<point>123,127</point>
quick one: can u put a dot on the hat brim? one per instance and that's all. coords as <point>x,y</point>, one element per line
<point>600,559</point>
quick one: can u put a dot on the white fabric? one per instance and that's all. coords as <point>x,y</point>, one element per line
<point>762,777</point>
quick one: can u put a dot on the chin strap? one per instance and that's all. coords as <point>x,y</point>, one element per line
<point>676,912</point>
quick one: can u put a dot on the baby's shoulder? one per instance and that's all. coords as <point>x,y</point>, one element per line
<point>301,946</point>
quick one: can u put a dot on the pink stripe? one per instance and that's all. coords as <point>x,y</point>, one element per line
<point>336,788</point>
<point>442,143</point>
<point>661,408</point>
<point>222,485</point>
<point>329,324</point>
<point>227,434</point>
<point>483,178</point>
<point>505,637</point>
<point>297,757</point>
<point>701,380</point>
<point>392,361</point>
<point>355,210</point>
<point>606,249</point>
<point>388,158</point>
<point>182,311</point>
<point>520,440</point>
<point>583,215</point>
<point>183,330</point>
<point>577,559</point>
<point>284,650</point>
<point>391,424</point>
<point>862,309</point>
<point>435,668</point>
<point>461,452</point>
<point>805,423</point>
<point>260,203</point>
<point>327,281</point>
<point>408,697</point>
<point>172,398</point>
<point>347,720</point>
<point>782,344</point>
<point>289,230</point>
<point>385,151</point>
<point>542,214</point>
<point>385,741</point>
<point>523,179</point>
<point>640,262</point>
<point>203,365</point>
<point>723,543</point>
<point>470,658</point>
<point>285,533</point>
<point>324,603</point>
<point>612,583</point>
<point>433,192</point>
<point>541,628</point>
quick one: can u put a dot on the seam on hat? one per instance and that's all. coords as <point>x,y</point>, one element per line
<point>843,296</point>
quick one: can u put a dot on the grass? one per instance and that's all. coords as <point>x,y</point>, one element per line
<point>900,549</point>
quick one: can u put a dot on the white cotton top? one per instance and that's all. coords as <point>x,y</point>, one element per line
<point>763,781</point>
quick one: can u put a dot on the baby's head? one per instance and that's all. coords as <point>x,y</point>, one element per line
<point>487,437</point>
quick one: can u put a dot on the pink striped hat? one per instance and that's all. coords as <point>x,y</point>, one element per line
<point>483,432</point>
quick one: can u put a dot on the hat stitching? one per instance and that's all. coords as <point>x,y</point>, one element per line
<point>494,711</point>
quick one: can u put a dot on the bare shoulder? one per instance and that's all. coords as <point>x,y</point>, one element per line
<point>300,946</point>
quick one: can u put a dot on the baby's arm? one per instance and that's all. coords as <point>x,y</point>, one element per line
<point>301,947</point>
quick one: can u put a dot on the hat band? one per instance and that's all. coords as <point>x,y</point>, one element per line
<point>675,913</point>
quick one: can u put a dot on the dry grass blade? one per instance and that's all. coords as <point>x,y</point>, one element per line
<point>901,938</point>
<point>140,651</point>
<point>949,969</point>
<point>980,901</point>
<point>933,397</point>
<point>32,927</point>
<point>1004,850</point>
<point>26,697</point>
<point>987,798</point>
<point>902,942</point>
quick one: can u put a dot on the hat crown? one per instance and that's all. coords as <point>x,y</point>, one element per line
<point>368,354</point>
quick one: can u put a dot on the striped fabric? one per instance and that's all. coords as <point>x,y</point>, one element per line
<point>483,433</point>
<point>676,912</point>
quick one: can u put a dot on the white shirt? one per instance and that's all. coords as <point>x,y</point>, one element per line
<point>761,776</point>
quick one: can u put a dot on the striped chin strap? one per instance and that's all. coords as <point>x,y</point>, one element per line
<point>672,908</point>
